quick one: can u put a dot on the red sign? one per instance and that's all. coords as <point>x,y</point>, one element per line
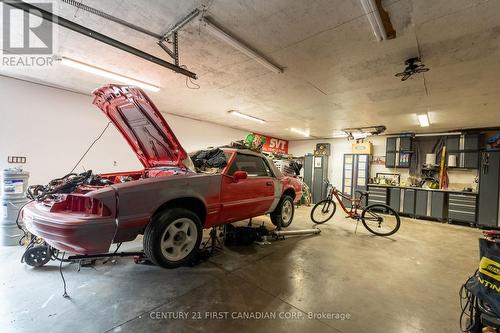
<point>275,145</point>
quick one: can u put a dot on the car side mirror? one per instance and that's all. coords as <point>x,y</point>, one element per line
<point>238,175</point>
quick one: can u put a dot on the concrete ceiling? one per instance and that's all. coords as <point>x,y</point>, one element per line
<point>336,75</point>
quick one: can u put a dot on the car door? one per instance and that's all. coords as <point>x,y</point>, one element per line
<point>248,197</point>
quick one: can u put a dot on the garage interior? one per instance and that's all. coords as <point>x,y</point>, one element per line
<point>394,100</point>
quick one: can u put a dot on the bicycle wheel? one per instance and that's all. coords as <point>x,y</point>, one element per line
<point>323,211</point>
<point>380,220</point>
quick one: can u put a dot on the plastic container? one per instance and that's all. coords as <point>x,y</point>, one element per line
<point>14,183</point>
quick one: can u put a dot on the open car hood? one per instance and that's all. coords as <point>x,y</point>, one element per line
<point>142,125</point>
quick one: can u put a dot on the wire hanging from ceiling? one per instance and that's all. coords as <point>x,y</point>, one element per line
<point>191,85</point>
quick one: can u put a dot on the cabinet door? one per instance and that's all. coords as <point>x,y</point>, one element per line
<point>395,198</point>
<point>390,145</point>
<point>471,154</point>
<point>405,143</point>
<point>437,205</point>
<point>390,160</point>
<point>471,160</point>
<point>360,182</point>
<point>453,143</point>
<point>409,202</point>
<point>489,191</point>
<point>471,142</point>
<point>421,203</point>
<point>348,177</point>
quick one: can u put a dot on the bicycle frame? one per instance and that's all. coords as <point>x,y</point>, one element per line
<point>353,212</point>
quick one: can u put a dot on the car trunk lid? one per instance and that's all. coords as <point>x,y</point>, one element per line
<point>141,124</point>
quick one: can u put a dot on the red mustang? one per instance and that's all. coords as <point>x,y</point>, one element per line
<point>168,201</point>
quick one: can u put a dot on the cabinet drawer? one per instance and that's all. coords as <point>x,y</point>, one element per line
<point>377,189</point>
<point>376,201</point>
<point>461,216</point>
<point>466,207</point>
<point>377,195</point>
<point>462,197</point>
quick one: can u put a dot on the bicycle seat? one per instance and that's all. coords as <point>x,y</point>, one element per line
<point>362,193</point>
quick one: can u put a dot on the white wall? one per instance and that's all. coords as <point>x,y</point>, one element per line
<point>458,178</point>
<point>54,127</point>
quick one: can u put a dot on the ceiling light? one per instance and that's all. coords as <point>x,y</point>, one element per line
<point>107,74</point>
<point>224,36</point>
<point>301,132</point>
<point>339,135</point>
<point>360,135</point>
<point>373,15</point>
<point>423,119</point>
<point>242,115</point>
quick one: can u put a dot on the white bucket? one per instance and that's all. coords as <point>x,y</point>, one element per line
<point>14,184</point>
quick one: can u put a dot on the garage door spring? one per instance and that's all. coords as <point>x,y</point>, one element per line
<point>80,5</point>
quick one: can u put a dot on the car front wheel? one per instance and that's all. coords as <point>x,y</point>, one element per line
<point>173,238</point>
<point>283,214</point>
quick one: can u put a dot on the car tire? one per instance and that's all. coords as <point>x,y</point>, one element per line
<point>283,213</point>
<point>173,238</point>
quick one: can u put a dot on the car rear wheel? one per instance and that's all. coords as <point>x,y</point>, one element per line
<point>283,214</point>
<point>173,238</point>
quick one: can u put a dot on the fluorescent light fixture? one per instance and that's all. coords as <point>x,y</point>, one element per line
<point>373,15</point>
<point>423,119</point>
<point>360,135</point>
<point>339,135</point>
<point>107,74</point>
<point>245,116</point>
<point>224,36</point>
<point>301,132</point>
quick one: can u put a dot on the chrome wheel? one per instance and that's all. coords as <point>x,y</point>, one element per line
<point>179,239</point>
<point>286,212</point>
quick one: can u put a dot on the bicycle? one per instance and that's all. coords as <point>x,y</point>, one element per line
<point>379,219</point>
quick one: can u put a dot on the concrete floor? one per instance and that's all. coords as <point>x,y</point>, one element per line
<point>406,283</point>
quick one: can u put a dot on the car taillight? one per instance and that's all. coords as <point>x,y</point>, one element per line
<point>81,204</point>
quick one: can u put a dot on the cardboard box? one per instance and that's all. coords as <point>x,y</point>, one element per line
<point>364,147</point>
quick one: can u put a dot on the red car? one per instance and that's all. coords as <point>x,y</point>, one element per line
<point>169,202</point>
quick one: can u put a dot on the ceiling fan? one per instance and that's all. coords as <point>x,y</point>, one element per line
<point>413,66</point>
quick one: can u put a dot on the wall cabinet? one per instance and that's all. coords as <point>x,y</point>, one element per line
<point>465,148</point>
<point>398,152</point>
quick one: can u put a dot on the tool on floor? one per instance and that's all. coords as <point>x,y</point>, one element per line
<point>213,244</point>
<point>281,234</point>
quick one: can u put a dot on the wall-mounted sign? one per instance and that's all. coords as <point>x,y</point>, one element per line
<point>275,145</point>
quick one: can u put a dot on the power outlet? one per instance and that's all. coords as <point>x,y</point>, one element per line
<point>16,159</point>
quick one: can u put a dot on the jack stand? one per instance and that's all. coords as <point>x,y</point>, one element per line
<point>213,244</point>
